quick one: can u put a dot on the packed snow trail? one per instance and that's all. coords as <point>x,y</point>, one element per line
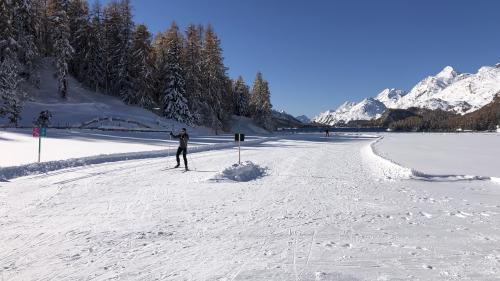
<point>320,214</point>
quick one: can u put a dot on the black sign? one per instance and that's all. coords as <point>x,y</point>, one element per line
<point>241,137</point>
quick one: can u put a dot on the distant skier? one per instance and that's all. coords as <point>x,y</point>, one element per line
<point>43,120</point>
<point>183,142</point>
<point>327,133</point>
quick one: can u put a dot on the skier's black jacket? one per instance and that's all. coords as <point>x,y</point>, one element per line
<point>183,139</point>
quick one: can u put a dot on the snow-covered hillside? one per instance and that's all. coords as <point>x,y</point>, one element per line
<point>448,90</point>
<point>85,108</point>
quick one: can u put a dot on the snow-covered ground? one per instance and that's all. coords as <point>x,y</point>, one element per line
<point>474,154</point>
<point>17,146</point>
<point>322,211</point>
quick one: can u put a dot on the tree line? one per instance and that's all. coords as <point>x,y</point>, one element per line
<point>180,75</point>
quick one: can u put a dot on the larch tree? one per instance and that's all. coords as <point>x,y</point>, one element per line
<point>191,61</point>
<point>141,72</point>
<point>118,28</point>
<point>159,48</point>
<point>214,81</point>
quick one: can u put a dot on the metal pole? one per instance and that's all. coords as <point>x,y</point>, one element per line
<point>170,142</point>
<point>39,145</point>
<point>239,140</point>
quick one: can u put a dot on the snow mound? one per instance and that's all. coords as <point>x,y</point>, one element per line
<point>382,167</point>
<point>243,172</point>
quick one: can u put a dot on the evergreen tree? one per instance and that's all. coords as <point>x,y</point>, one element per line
<point>118,27</point>
<point>78,15</point>
<point>159,48</point>
<point>127,28</point>
<point>10,94</point>
<point>193,69</point>
<point>174,102</point>
<point>241,97</point>
<point>260,102</point>
<point>214,81</point>
<point>141,74</point>
<point>25,28</point>
<point>94,51</point>
<point>8,42</point>
<point>61,46</point>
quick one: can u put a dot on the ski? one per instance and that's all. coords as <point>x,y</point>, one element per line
<point>171,168</point>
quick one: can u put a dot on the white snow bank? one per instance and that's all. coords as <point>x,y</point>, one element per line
<point>18,147</point>
<point>391,170</point>
<point>7,173</point>
<point>383,167</point>
<point>243,172</point>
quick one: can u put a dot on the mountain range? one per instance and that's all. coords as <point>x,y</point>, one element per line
<point>449,90</point>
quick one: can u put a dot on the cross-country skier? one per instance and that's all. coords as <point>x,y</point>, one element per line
<point>183,142</point>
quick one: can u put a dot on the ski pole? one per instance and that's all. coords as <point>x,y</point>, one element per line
<point>169,143</point>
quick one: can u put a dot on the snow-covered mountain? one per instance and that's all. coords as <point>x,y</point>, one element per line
<point>448,90</point>
<point>391,97</point>
<point>367,109</point>
<point>304,119</point>
<point>469,93</point>
<point>331,117</point>
<point>425,93</point>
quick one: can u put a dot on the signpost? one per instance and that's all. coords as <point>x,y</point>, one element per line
<point>39,133</point>
<point>239,138</point>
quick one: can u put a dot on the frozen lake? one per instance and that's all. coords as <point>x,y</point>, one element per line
<point>444,154</point>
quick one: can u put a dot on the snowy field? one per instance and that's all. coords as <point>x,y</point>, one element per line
<point>323,210</point>
<point>474,154</point>
<point>18,147</point>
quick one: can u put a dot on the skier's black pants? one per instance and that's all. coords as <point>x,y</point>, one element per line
<point>184,152</point>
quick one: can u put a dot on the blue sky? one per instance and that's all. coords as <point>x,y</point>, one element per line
<point>318,53</point>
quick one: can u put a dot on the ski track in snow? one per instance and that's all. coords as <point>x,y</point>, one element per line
<point>323,212</point>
